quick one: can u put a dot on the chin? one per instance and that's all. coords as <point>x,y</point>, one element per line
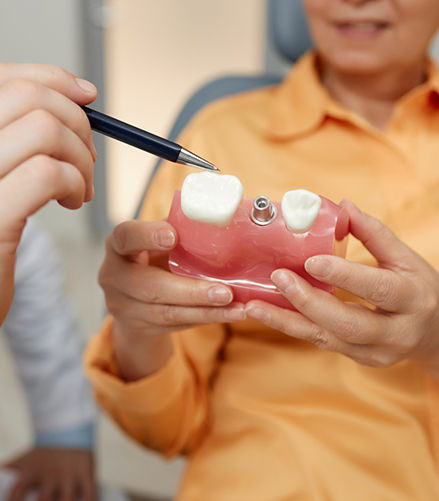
<point>356,61</point>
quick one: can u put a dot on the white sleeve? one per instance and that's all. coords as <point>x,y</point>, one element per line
<point>43,335</point>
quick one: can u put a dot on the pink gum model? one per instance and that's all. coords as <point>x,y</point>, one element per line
<point>244,254</point>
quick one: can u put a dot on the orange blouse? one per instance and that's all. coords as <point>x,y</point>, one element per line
<point>264,416</point>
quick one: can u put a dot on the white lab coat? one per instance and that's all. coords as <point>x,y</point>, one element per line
<point>43,336</point>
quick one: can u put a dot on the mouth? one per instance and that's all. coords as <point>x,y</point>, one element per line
<point>361,29</point>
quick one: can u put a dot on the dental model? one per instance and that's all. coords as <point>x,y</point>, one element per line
<point>238,241</point>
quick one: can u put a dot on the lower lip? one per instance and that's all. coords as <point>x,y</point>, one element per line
<point>356,33</point>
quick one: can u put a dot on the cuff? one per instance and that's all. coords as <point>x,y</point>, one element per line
<point>79,437</point>
<point>150,395</point>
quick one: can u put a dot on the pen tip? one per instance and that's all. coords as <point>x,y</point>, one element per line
<point>188,158</point>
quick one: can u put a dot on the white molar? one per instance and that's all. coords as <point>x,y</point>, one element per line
<point>300,209</point>
<point>211,198</point>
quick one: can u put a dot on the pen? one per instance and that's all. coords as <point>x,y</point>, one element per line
<point>145,140</point>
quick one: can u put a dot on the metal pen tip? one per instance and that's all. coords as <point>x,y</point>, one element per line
<point>187,158</point>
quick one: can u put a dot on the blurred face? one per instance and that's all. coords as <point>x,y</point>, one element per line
<point>368,36</point>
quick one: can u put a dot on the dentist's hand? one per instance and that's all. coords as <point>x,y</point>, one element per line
<point>46,152</point>
<point>55,475</point>
<point>404,290</point>
<point>148,302</point>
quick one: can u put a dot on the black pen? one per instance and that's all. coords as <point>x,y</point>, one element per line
<point>145,140</point>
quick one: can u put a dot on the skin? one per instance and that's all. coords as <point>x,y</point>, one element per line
<point>46,152</point>
<point>367,68</point>
<point>60,474</point>
<point>368,72</point>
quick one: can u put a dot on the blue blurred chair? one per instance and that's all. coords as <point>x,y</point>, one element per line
<point>288,29</point>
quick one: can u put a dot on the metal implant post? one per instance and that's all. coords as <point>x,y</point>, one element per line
<point>263,211</point>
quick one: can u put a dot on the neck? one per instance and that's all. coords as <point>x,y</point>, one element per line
<point>372,96</point>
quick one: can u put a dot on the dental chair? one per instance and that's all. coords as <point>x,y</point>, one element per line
<point>290,38</point>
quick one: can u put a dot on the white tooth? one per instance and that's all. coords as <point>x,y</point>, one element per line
<point>211,198</point>
<point>300,209</point>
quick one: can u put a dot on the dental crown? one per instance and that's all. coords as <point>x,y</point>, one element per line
<point>211,198</point>
<point>300,209</point>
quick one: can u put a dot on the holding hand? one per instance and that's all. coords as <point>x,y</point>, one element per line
<point>46,152</point>
<point>148,302</point>
<point>57,475</point>
<point>404,290</point>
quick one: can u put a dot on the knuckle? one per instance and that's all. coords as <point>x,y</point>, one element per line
<point>428,303</point>
<point>281,324</point>
<point>409,343</point>
<point>46,125</point>
<point>55,74</point>
<point>103,276</point>
<point>303,301</point>
<point>383,290</point>
<point>319,337</point>
<point>45,171</point>
<point>169,315</point>
<point>118,238</point>
<point>347,328</point>
<point>113,307</point>
<point>25,90</point>
<point>381,360</point>
<point>151,291</point>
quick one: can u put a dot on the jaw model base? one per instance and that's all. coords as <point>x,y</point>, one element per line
<point>243,254</point>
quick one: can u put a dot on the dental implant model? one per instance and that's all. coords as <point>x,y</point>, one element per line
<point>240,241</point>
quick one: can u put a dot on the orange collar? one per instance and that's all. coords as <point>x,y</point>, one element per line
<point>301,102</point>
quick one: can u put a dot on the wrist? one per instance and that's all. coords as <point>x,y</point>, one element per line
<point>139,355</point>
<point>77,437</point>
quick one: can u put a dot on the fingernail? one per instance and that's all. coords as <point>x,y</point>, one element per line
<point>257,314</point>
<point>86,86</point>
<point>346,202</point>
<point>164,238</point>
<point>219,295</point>
<point>235,314</point>
<point>318,266</point>
<point>282,280</point>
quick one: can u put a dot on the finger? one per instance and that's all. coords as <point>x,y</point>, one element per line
<point>378,239</point>
<point>20,97</point>
<point>132,237</point>
<point>296,325</point>
<point>30,186</point>
<point>86,489</point>
<point>21,488</point>
<point>45,135</point>
<point>149,284</point>
<point>67,489</point>
<point>78,90</point>
<point>350,324</point>
<point>160,318</point>
<point>48,490</point>
<point>382,288</point>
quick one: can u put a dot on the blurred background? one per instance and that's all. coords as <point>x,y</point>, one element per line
<point>146,57</point>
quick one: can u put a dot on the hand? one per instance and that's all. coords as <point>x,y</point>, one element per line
<point>46,152</point>
<point>148,302</point>
<point>404,290</point>
<point>57,474</point>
